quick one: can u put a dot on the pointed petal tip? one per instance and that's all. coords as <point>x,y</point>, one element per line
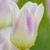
<point>28,3</point>
<point>24,8</point>
<point>41,5</point>
<point>35,3</point>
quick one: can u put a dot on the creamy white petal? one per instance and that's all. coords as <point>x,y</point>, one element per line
<point>37,18</point>
<point>39,13</point>
<point>34,7</point>
<point>22,34</point>
<point>14,10</point>
<point>24,31</point>
<point>2,46</point>
<point>28,5</point>
<point>5,14</point>
<point>5,42</point>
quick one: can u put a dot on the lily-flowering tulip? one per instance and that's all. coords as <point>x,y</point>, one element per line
<point>5,13</point>
<point>24,30</point>
<point>5,43</point>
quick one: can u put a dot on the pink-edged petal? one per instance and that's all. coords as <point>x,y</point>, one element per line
<point>31,7</point>
<point>1,38</point>
<point>5,14</point>
<point>5,33</point>
<point>21,19</point>
<point>34,7</point>
<point>3,46</point>
<point>14,10</point>
<point>5,42</point>
<point>28,4</point>
<point>29,24</point>
<point>37,18</point>
<point>30,18</point>
<point>23,35</point>
<point>39,14</point>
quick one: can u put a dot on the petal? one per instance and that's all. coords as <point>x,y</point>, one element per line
<point>5,32</point>
<point>29,5</point>
<point>22,18</point>
<point>14,10</point>
<point>29,24</point>
<point>22,36</point>
<point>3,46</point>
<point>5,14</point>
<point>34,7</point>
<point>38,14</point>
<point>2,39</point>
<point>5,39</point>
<point>5,35</point>
<point>31,10</point>
<point>37,18</point>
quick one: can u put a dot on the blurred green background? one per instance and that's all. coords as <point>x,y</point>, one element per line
<point>43,38</point>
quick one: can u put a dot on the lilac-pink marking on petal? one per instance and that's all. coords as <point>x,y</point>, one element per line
<point>4,46</point>
<point>15,27</point>
<point>29,24</point>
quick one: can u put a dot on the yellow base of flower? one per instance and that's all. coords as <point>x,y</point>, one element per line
<point>22,46</point>
<point>31,43</point>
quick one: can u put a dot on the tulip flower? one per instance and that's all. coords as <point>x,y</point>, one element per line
<point>25,27</point>
<point>5,43</point>
<point>5,13</point>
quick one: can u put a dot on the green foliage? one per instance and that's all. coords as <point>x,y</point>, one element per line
<point>43,38</point>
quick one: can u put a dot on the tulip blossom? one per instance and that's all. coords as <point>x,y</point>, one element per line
<point>5,20</point>
<point>24,29</point>
<point>5,13</point>
<point>5,43</point>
